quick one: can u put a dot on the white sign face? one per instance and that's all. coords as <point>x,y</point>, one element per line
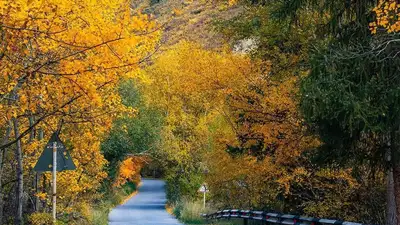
<point>203,189</point>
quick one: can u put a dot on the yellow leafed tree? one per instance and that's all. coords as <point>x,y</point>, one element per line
<point>190,84</point>
<point>60,63</point>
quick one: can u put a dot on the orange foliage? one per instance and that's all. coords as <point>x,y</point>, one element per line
<point>129,170</point>
<point>227,117</point>
<point>387,16</point>
<point>266,160</point>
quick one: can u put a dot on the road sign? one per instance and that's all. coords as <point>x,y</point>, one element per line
<point>54,158</point>
<point>203,189</point>
<point>63,161</point>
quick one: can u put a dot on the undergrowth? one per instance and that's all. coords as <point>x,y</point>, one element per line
<point>111,198</point>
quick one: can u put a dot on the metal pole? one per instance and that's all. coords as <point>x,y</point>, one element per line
<point>204,199</point>
<point>54,181</point>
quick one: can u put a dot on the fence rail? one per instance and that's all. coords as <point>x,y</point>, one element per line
<point>272,218</point>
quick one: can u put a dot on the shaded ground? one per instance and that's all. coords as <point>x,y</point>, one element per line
<point>145,208</point>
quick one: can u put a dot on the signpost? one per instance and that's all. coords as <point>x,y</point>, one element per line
<point>54,158</point>
<point>54,182</point>
<point>204,189</point>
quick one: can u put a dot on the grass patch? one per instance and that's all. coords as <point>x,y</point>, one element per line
<point>110,199</point>
<point>189,213</point>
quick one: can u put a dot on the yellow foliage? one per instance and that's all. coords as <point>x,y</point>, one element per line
<point>215,101</point>
<point>177,12</point>
<point>41,219</point>
<point>387,16</point>
<point>42,196</point>
<point>61,64</point>
<point>191,85</point>
<point>232,2</point>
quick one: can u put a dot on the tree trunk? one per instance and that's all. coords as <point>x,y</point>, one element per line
<point>396,179</point>
<point>394,139</point>
<point>44,191</point>
<point>20,181</point>
<point>36,188</point>
<point>391,217</point>
<point>36,179</point>
<point>5,140</point>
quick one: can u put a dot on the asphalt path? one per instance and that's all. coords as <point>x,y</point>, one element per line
<point>145,208</point>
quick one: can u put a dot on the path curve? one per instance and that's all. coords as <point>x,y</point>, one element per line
<point>145,208</point>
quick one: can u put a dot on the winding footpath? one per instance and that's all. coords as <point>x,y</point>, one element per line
<point>145,208</point>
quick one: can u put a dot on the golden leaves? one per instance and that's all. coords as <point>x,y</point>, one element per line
<point>41,195</point>
<point>191,85</point>
<point>387,17</point>
<point>64,62</point>
<point>232,2</point>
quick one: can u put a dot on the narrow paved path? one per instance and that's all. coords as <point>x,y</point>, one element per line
<point>145,208</point>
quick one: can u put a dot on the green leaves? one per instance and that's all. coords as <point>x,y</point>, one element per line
<point>131,135</point>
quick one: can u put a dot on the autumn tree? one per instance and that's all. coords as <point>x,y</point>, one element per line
<point>61,62</point>
<point>189,85</point>
<point>266,163</point>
